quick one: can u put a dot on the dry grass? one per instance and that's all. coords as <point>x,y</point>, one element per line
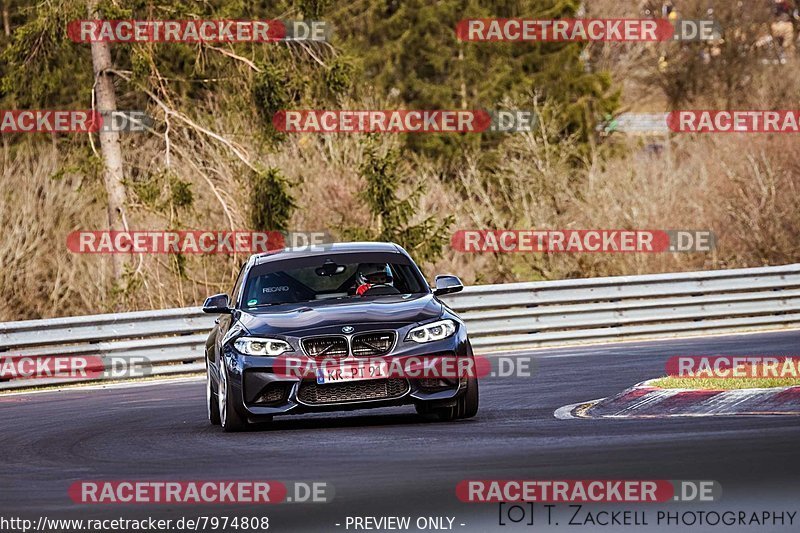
<point>38,276</point>
<point>724,384</point>
<point>745,188</point>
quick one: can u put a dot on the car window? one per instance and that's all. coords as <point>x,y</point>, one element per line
<point>309,277</point>
<point>332,277</point>
<point>237,286</point>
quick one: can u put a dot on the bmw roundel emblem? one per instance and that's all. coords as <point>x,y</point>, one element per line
<point>347,329</point>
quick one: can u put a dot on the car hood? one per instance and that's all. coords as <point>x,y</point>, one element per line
<point>328,316</point>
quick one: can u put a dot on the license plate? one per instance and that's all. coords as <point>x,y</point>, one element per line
<point>351,372</point>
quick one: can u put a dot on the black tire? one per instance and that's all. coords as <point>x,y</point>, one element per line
<point>229,418</point>
<point>212,402</point>
<point>426,411</point>
<point>466,405</point>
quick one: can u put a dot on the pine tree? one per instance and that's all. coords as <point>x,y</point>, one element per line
<point>411,48</point>
<point>392,215</point>
<point>271,203</point>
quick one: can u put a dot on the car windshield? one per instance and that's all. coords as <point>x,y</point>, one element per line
<point>331,277</point>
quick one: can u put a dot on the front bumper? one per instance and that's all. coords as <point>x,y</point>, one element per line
<point>259,389</point>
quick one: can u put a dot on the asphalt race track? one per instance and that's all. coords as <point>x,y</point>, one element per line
<point>389,462</point>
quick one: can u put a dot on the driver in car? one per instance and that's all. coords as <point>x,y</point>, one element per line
<point>375,280</point>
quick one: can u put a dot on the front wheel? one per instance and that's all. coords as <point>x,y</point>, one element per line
<point>466,405</point>
<point>212,402</point>
<point>228,417</point>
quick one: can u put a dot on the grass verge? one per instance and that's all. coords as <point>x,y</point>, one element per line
<point>723,383</point>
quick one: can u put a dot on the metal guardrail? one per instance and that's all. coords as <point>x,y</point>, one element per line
<point>507,316</point>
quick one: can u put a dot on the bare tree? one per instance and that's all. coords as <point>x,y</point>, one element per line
<point>106,101</point>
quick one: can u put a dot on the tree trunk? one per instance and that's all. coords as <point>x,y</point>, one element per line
<point>106,101</point>
<point>6,19</point>
<point>461,70</point>
<point>7,31</point>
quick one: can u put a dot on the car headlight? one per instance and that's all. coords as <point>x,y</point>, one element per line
<point>261,346</point>
<point>435,331</point>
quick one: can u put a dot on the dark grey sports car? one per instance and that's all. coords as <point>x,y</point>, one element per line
<point>318,330</point>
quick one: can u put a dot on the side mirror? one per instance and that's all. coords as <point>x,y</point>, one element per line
<point>217,304</point>
<point>447,285</point>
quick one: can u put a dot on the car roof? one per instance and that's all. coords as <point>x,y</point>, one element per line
<point>325,249</point>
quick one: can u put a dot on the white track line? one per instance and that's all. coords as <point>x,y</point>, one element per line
<point>119,385</point>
